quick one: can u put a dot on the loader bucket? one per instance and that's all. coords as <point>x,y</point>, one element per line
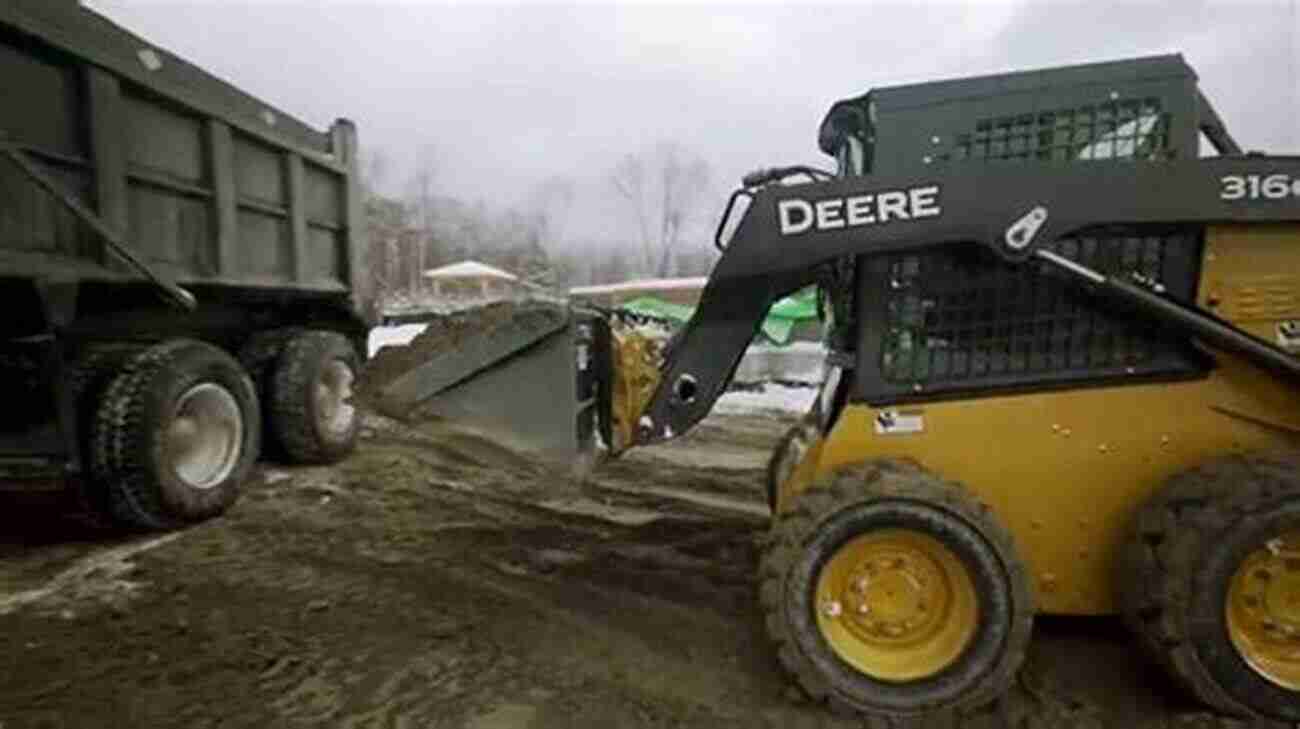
<point>520,374</point>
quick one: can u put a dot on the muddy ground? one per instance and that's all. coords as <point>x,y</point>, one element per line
<point>433,580</point>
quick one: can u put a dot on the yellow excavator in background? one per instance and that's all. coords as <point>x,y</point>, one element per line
<point>1061,379</point>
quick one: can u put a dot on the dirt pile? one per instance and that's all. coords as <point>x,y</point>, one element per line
<point>450,348</point>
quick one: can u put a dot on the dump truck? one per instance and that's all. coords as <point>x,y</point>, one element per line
<point>179,271</point>
<point>1063,316</point>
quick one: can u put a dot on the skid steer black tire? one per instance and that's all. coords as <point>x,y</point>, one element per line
<point>1182,551</point>
<point>146,480</point>
<point>306,428</point>
<point>786,455</point>
<point>893,495</point>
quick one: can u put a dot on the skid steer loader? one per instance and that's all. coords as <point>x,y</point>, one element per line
<point>1062,379</point>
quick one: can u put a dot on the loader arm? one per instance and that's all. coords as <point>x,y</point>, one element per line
<point>1014,211</point>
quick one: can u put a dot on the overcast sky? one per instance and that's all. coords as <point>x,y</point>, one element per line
<point>509,95</point>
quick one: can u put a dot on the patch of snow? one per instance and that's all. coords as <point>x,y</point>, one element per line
<point>100,575</point>
<point>396,336</point>
<point>273,476</point>
<point>469,269</point>
<point>647,284</point>
<point>772,398</point>
<point>795,362</point>
<point>653,330</point>
<point>797,345</point>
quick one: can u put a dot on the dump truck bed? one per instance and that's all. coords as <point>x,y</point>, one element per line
<point>207,184</point>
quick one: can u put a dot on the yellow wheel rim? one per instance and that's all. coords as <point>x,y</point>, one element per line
<point>1263,610</point>
<point>896,605</point>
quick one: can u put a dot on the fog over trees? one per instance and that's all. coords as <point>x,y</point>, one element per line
<point>661,198</point>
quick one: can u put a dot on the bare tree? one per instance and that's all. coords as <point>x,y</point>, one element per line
<point>386,228</point>
<point>695,261</point>
<point>375,279</point>
<point>375,166</point>
<point>424,206</point>
<point>612,267</point>
<point>663,190</point>
<point>548,207</point>
<point>629,180</point>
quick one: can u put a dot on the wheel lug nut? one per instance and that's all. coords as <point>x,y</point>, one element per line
<point>864,609</point>
<point>832,609</point>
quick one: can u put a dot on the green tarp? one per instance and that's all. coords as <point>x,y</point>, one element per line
<point>780,321</point>
<point>797,307</point>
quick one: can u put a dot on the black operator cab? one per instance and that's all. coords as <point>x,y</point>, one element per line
<point>952,319</point>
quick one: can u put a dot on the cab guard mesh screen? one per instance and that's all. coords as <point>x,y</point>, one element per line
<point>954,318</point>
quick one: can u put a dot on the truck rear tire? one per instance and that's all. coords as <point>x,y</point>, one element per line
<point>891,593</point>
<point>88,380</point>
<point>175,434</point>
<point>310,413</point>
<point>1210,581</point>
<point>260,356</point>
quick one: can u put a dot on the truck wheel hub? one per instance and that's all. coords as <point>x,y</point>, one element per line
<point>897,605</point>
<point>1263,611</point>
<point>205,436</point>
<point>333,393</point>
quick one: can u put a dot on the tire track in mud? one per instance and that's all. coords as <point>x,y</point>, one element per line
<point>584,574</point>
<point>542,557</point>
<point>653,559</point>
<point>434,584</point>
<point>100,575</point>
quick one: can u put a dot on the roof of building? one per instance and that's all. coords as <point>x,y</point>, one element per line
<point>641,284</point>
<point>469,269</point>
